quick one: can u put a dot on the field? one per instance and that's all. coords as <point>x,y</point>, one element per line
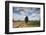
<point>22,24</point>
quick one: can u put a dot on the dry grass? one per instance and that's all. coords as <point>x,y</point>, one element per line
<point>23,24</point>
<point>19,24</point>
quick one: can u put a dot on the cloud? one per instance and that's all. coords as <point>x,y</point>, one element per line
<point>34,17</point>
<point>20,17</point>
<point>20,13</point>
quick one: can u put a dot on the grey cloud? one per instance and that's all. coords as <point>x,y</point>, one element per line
<point>29,10</point>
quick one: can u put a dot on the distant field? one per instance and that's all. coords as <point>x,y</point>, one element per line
<point>22,24</point>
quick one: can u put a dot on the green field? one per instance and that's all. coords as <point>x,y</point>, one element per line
<point>34,23</point>
<point>22,24</point>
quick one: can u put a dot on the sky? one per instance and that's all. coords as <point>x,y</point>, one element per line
<point>19,13</point>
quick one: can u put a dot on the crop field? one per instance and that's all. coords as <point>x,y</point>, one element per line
<point>22,24</point>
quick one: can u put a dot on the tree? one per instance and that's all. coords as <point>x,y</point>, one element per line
<point>26,19</point>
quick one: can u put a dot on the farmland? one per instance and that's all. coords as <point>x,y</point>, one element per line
<point>22,24</point>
